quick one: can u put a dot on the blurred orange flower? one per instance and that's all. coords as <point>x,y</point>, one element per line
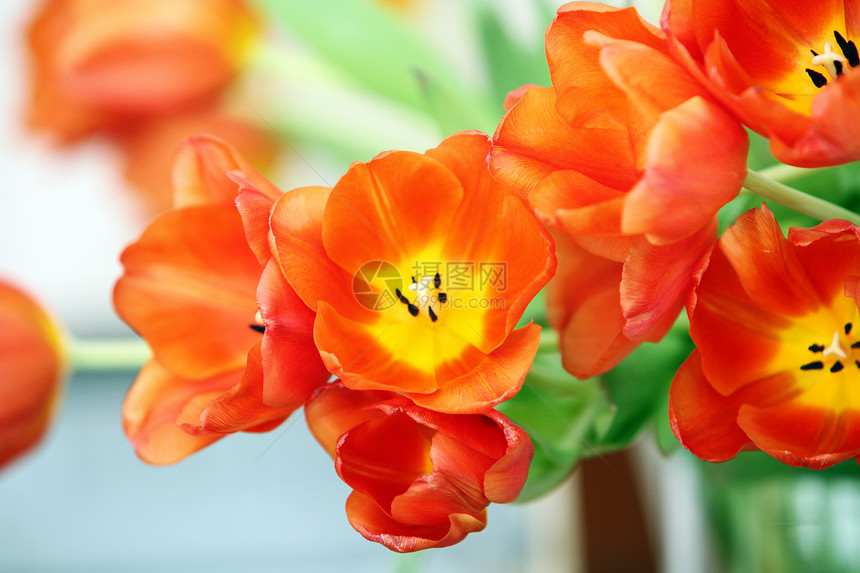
<point>630,157</point>
<point>31,371</point>
<point>108,63</point>
<point>420,478</point>
<point>474,254</point>
<point>784,67</point>
<point>149,148</point>
<point>776,361</point>
<point>190,288</point>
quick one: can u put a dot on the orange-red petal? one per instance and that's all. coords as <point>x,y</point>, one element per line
<point>292,367</point>
<point>154,406</point>
<point>705,421</point>
<point>189,289</point>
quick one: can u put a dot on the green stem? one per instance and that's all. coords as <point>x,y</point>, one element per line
<point>548,341</point>
<point>107,355</point>
<point>787,173</point>
<point>797,200</point>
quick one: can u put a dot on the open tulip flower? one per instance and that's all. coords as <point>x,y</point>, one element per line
<point>776,365</point>
<point>419,267</point>
<point>108,63</point>
<point>200,287</point>
<point>31,371</point>
<point>787,68</point>
<point>420,478</point>
<point>628,155</point>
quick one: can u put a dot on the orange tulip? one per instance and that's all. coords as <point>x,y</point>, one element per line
<point>630,157</point>
<point>199,286</point>
<point>111,63</point>
<point>31,372</point>
<point>420,478</point>
<point>419,267</point>
<point>776,361</point>
<point>784,67</point>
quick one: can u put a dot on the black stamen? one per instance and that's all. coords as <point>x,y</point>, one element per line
<point>818,79</point>
<point>816,348</point>
<point>855,345</point>
<point>258,328</point>
<point>433,316</point>
<point>413,280</point>
<point>857,363</point>
<point>437,281</point>
<point>837,366</point>
<point>814,53</point>
<point>848,328</point>
<point>400,296</point>
<point>818,365</point>
<point>443,297</point>
<point>849,49</point>
<point>838,66</point>
<point>413,310</point>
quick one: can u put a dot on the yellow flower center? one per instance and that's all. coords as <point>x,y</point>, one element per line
<point>834,356</point>
<point>424,294</point>
<point>834,63</point>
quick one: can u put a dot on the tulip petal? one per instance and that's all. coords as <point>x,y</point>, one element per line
<point>703,420</point>
<point>240,407</point>
<point>498,377</point>
<point>201,173</point>
<point>533,140</point>
<point>696,163</point>
<point>296,224</point>
<point>292,365</point>
<point>189,289</point>
<point>154,406</point>
<point>395,206</point>
<point>803,436</point>
<point>574,67</point>
<point>491,226</point>
<point>334,410</point>
<point>375,525</point>
<point>657,279</point>
<point>583,305</point>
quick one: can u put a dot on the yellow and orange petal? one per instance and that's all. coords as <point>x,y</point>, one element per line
<point>419,267</point>
<point>421,478</point>
<point>31,372</point>
<point>768,61</point>
<point>114,62</point>
<point>776,345</point>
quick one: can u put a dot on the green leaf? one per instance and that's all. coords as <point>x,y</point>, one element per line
<point>383,54</point>
<point>562,415</point>
<point>639,386</point>
<point>509,64</point>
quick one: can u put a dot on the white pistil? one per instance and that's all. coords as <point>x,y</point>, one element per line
<point>835,348</point>
<point>422,291</point>
<point>827,60</point>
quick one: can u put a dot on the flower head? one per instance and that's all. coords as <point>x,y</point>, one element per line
<point>776,363</point>
<point>628,156</point>
<point>31,371</point>
<point>110,63</point>
<point>419,267</point>
<point>420,478</point>
<point>199,286</point>
<point>786,68</point>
